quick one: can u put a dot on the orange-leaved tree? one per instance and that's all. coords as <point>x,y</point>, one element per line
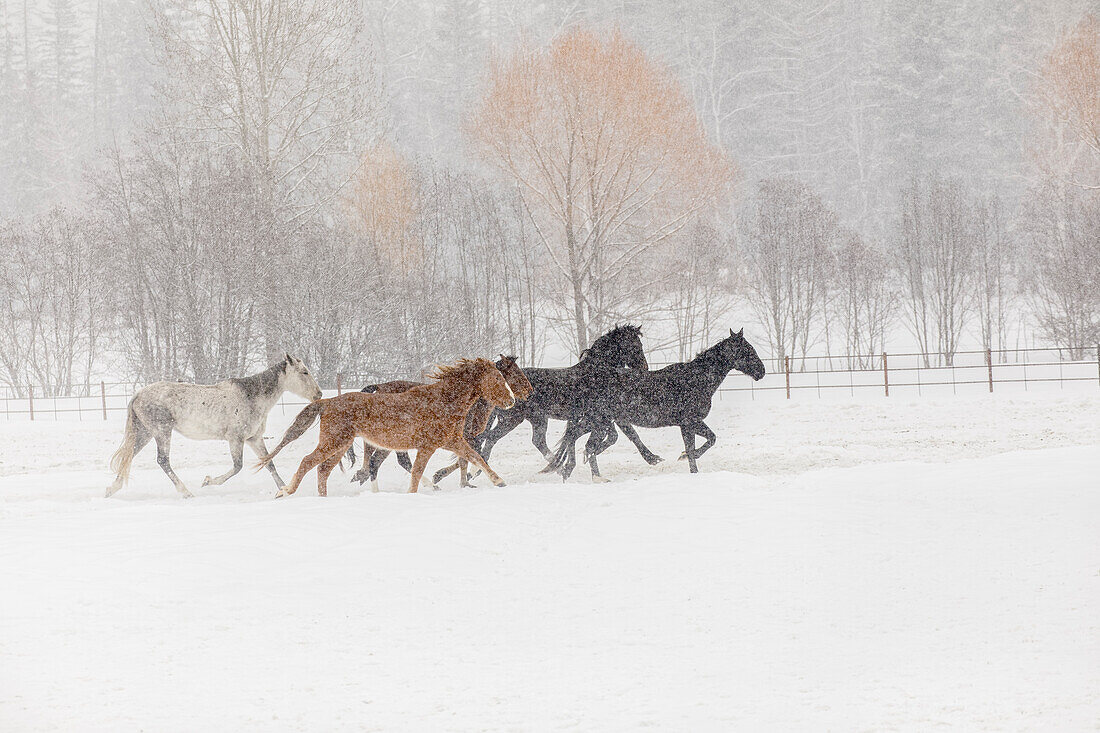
<point>382,204</point>
<point>1070,91</point>
<point>611,162</point>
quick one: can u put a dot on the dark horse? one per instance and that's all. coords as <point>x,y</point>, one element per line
<point>562,393</point>
<point>678,395</point>
<point>476,420</point>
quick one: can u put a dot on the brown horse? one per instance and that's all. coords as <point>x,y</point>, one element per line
<point>425,418</point>
<point>476,421</point>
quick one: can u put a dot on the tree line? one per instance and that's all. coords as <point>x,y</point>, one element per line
<point>264,203</point>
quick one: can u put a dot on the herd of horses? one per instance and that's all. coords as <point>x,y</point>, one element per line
<point>465,409</point>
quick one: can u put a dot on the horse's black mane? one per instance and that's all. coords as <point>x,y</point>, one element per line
<point>710,353</point>
<point>613,336</point>
<point>263,384</point>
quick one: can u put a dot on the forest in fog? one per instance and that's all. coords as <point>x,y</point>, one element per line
<point>189,188</point>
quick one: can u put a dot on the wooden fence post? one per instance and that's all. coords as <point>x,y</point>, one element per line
<point>989,365</point>
<point>103,397</point>
<point>339,386</point>
<point>885,375</point>
<point>787,370</point>
<point>30,400</point>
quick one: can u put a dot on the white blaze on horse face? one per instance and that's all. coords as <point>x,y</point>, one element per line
<point>510,394</point>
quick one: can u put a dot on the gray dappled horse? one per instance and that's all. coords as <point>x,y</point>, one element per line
<point>234,410</point>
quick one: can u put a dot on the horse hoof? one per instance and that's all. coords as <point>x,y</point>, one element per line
<point>600,480</point>
<point>654,460</point>
<point>683,456</point>
<point>281,494</point>
<point>206,481</point>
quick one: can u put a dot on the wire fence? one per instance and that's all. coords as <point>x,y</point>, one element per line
<point>844,375</point>
<point>921,374</point>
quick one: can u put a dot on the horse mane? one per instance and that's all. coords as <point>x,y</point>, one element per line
<point>263,383</point>
<point>461,369</point>
<point>615,334</point>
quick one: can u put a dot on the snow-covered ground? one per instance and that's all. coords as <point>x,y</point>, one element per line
<point>873,565</point>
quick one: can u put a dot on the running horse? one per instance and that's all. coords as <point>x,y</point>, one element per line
<point>234,411</point>
<point>680,395</point>
<point>476,420</point>
<point>425,418</point>
<point>562,393</point>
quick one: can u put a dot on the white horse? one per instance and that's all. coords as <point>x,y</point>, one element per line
<point>234,410</point>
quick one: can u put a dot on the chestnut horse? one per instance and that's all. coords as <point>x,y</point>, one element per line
<point>476,420</point>
<point>425,418</point>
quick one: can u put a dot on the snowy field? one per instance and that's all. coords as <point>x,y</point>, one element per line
<point>873,565</point>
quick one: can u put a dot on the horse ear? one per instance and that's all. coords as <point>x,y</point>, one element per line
<point>289,358</point>
<point>731,333</point>
<point>741,334</point>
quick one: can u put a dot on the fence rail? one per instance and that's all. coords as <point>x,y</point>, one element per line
<point>865,374</point>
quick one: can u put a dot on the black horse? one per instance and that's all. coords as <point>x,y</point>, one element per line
<point>678,395</point>
<point>562,393</point>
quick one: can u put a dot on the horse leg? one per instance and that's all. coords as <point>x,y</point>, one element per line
<point>596,445</point>
<point>448,470</point>
<point>403,461</point>
<point>164,447</point>
<point>505,423</point>
<point>689,447</point>
<point>538,434</point>
<point>256,443</point>
<point>308,463</point>
<point>573,433</point>
<point>700,428</point>
<point>236,452</point>
<point>372,460</point>
<point>465,451</point>
<point>421,462</point>
<point>650,457</point>
<point>325,469</point>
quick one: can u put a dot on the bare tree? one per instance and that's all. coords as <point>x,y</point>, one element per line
<point>787,253</point>
<point>862,299</point>
<point>994,272</point>
<point>1063,228</point>
<point>610,159</point>
<point>700,282</point>
<point>188,242</point>
<point>934,256</point>
<point>283,86</point>
<point>52,296</point>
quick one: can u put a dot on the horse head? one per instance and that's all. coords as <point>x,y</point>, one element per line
<point>743,356</point>
<point>493,386</point>
<point>619,347</point>
<point>514,376</point>
<point>298,380</point>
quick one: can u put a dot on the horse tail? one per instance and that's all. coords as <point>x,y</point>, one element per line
<point>124,456</point>
<point>557,458</point>
<point>301,424</point>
